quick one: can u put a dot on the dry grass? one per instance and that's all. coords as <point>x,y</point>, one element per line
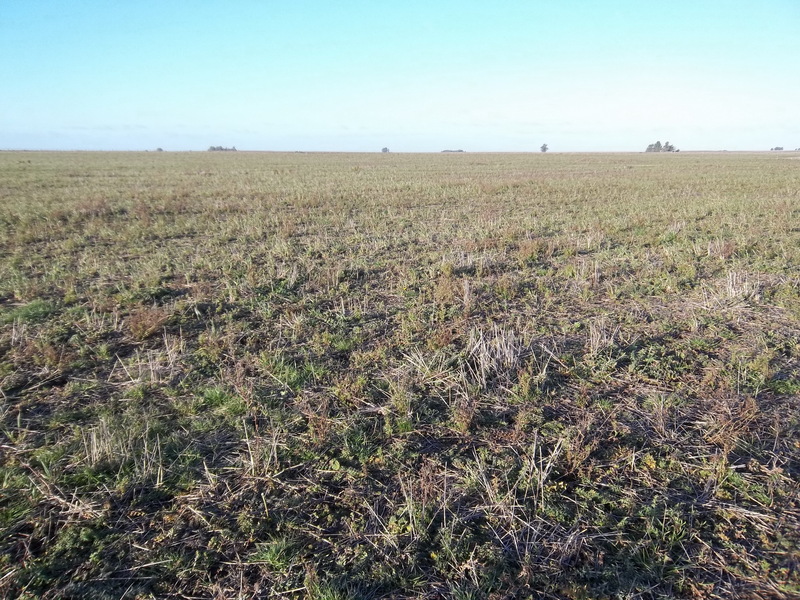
<point>399,376</point>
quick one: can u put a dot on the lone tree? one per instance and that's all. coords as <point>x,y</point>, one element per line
<point>385,150</point>
<point>657,147</point>
<point>544,148</point>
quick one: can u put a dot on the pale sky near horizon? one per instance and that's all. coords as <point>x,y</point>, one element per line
<point>416,76</point>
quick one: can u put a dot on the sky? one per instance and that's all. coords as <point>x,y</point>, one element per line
<point>413,76</point>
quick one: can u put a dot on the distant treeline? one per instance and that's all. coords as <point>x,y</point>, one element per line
<point>452,151</point>
<point>221,149</point>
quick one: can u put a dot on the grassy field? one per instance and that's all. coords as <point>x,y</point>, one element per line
<point>456,376</point>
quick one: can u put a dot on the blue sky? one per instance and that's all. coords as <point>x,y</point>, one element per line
<point>579,75</point>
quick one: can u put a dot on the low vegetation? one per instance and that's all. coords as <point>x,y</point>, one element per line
<point>460,376</point>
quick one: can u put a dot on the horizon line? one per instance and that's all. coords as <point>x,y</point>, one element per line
<point>161,150</point>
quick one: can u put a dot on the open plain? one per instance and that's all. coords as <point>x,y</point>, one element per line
<point>345,376</point>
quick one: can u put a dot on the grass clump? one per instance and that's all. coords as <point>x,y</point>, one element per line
<point>33,312</point>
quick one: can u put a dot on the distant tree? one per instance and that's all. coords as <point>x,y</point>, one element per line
<point>777,148</point>
<point>544,148</point>
<point>221,149</point>
<point>657,147</point>
<point>159,149</point>
<point>384,150</point>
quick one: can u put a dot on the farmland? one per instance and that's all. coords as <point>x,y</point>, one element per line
<point>343,376</point>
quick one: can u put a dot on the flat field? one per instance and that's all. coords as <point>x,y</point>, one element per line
<point>466,376</point>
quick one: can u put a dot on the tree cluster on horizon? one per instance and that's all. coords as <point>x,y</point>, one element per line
<point>657,147</point>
